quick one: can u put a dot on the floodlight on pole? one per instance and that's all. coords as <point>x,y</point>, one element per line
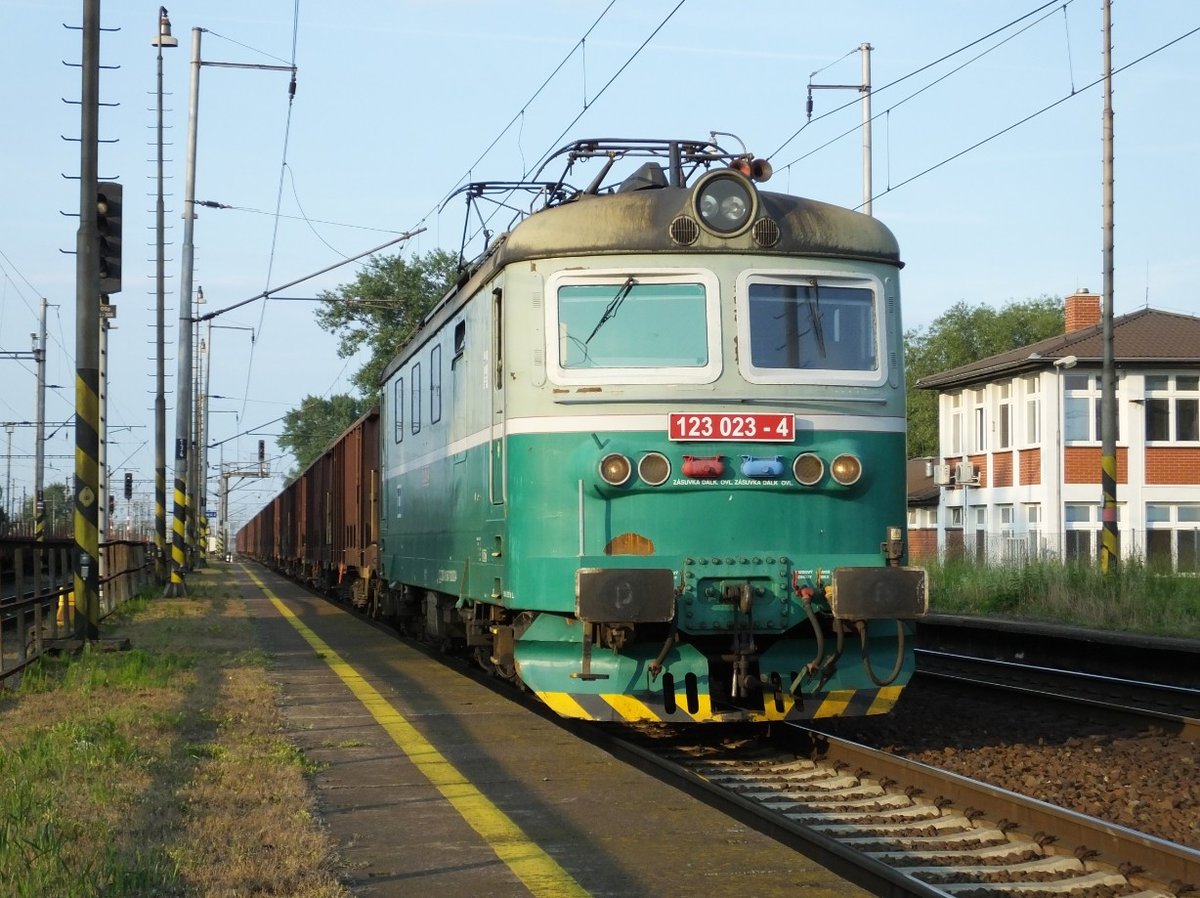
<point>161,40</point>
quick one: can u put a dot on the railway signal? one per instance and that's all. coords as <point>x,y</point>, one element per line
<point>128,484</point>
<point>108,226</point>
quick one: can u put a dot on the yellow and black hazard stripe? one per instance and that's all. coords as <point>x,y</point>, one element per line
<point>160,521</point>
<point>1109,546</point>
<point>87,504</point>
<point>640,709</point>
<point>175,586</point>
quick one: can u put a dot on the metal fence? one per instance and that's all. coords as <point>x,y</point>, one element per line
<point>37,593</point>
<point>1171,550</point>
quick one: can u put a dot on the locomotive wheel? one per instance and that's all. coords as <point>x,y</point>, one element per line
<point>483,657</point>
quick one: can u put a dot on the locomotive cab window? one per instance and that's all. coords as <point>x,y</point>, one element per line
<point>435,384</point>
<point>415,411</point>
<point>634,327</point>
<point>398,408</point>
<point>804,328</point>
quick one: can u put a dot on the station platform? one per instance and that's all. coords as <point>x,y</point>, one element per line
<point>432,784</point>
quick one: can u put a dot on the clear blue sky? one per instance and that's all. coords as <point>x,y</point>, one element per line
<point>397,102</point>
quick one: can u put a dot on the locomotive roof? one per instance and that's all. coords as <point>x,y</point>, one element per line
<point>640,221</point>
<point>636,216</point>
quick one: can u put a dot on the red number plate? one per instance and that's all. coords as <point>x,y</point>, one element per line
<point>753,427</point>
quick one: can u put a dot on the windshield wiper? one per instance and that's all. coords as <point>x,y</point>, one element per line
<point>814,312</point>
<point>610,311</point>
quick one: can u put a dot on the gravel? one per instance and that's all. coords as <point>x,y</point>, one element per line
<point>1136,775</point>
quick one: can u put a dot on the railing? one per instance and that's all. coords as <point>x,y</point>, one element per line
<point>37,592</point>
<point>1165,550</point>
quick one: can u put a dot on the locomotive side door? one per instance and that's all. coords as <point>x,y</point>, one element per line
<point>496,380</point>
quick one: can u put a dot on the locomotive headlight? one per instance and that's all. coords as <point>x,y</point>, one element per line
<point>733,209</point>
<point>654,469</point>
<point>725,202</point>
<point>808,468</point>
<point>846,469</point>
<point>615,469</point>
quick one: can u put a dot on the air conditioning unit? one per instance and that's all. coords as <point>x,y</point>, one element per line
<point>943,475</point>
<point>966,474</point>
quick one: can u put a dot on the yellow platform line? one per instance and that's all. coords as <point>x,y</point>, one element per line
<point>540,873</point>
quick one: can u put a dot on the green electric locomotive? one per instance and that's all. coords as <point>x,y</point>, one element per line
<point>648,456</point>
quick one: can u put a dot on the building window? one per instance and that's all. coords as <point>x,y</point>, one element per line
<point>980,515</point>
<point>956,516</point>
<point>1033,516</point>
<point>1082,409</point>
<point>1173,536</point>
<point>979,421</point>
<point>1080,532</point>
<point>1004,417</point>
<point>1077,408</point>
<point>1033,409</point>
<point>956,424</point>
<point>1013,548</point>
<point>1173,408</point>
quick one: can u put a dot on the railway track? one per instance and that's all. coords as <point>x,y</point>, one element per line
<point>1148,677</point>
<point>898,827</point>
<point>1177,706</point>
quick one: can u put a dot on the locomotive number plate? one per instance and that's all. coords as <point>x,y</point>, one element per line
<point>753,427</point>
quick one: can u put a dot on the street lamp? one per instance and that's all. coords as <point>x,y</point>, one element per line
<point>161,40</point>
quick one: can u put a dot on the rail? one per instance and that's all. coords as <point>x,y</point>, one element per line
<point>37,593</point>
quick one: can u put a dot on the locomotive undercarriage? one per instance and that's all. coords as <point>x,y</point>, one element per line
<point>763,645</point>
<point>815,664</point>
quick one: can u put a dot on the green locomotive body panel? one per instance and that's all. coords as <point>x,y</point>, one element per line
<point>592,452</point>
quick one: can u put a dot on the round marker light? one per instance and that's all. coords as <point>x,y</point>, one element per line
<point>846,469</point>
<point>725,202</point>
<point>615,469</point>
<point>808,468</point>
<point>654,469</point>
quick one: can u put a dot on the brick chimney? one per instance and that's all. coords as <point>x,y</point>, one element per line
<point>1082,309</point>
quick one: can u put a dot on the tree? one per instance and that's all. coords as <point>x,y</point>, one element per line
<point>309,429</point>
<point>961,335</point>
<point>383,308</point>
<point>59,504</point>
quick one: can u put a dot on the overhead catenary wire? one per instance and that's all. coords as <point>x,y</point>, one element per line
<point>926,67</point>
<point>580,45</point>
<point>587,105</point>
<point>517,117</point>
<point>1070,96</point>
<point>886,112</point>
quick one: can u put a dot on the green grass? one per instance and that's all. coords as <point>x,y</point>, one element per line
<point>156,771</point>
<point>1134,599</point>
<point>53,840</point>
